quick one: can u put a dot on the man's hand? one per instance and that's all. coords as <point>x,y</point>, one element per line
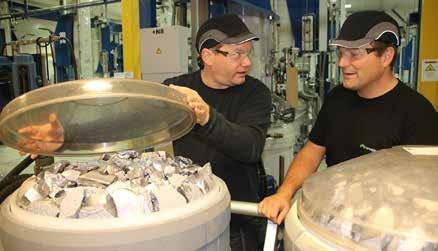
<point>275,207</point>
<point>198,105</point>
<point>42,138</point>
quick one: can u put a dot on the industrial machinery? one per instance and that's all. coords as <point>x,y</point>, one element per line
<point>278,151</point>
<point>22,72</point>
<point>17,77</point>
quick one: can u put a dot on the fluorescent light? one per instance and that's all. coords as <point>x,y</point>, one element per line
<point>347,6</point>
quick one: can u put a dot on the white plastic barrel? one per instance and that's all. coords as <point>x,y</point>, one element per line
<point>200,225</point>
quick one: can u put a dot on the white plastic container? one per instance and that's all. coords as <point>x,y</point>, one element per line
<point>200,225</point>
<point>386,200</point>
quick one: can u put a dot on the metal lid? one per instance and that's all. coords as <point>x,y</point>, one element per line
<point>95,116</point>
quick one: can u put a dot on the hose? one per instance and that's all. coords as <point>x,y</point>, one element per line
<point>11,185</point>
<point>15,171</point>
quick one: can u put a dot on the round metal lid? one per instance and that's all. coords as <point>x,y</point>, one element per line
<point>95,116</point>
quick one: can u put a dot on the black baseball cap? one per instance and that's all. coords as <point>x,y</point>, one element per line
<point>361,28</point>
<point>226,29</point>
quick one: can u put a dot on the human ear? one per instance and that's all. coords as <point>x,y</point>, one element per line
<point>388,56</point>
<point>207,56</point>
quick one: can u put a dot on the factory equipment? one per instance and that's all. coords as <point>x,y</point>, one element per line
<point>384,200</point>
<point>164,52</point>
<point>107,46</point>
<point>279,75</point>
<point>282,110</point>
<point>78,23</point>
<point>21,72</point>
<point>299,76</point>
<point>307,30</point>
<point>306,87</point>
<point>277,153</point>
<point>278,150</point>
<point>17,77</point>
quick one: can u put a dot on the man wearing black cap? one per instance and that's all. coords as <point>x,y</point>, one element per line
<point>371,110</point>
<point>233,113</point>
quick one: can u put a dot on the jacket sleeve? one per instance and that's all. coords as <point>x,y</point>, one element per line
<point>244,139</point>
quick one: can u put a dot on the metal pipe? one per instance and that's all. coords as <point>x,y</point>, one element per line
<point>15,45</point>
<point>250,209</point>
<point>58,8</point>
<point>245,208</point>
<point>48,39</point>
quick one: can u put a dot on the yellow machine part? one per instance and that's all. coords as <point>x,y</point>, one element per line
<point>428,50</point>
<point>131,37</point>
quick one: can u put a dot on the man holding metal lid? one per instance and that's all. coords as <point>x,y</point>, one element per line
<point>233,114</point>
<point>371,110</point>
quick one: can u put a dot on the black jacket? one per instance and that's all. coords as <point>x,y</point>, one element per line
<point>233,139</point>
